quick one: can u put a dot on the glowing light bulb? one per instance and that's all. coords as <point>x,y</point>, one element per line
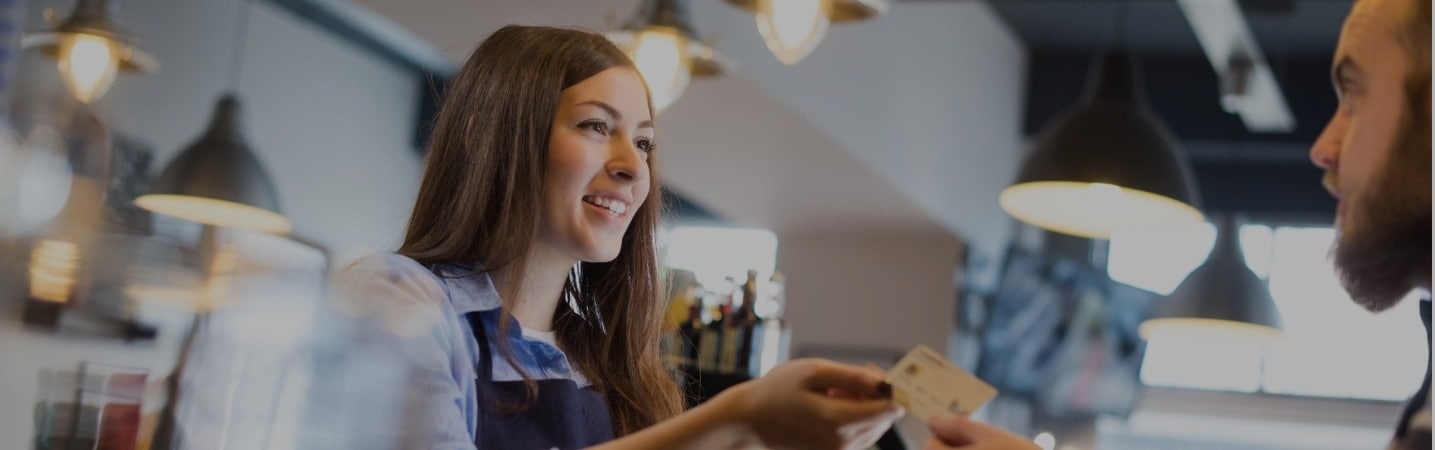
<point>664,63</point>
<point>792,28</point>
<point>88,64</point>
<point>52,270</point>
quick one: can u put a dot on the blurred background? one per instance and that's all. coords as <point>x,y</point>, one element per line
<point>1103,208</point>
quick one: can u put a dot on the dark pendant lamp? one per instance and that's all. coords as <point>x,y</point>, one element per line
<point>91,47</point>
<point>216,180</point>
<point>1221,296</point>
<point>1105,165</point>
<point>661,41</point>
<point>1108,163</point>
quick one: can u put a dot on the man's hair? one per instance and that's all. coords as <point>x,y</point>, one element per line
<point>1414,36</point>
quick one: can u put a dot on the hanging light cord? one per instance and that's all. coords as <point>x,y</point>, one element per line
<point>241,37</point>
<point>1120,36</point>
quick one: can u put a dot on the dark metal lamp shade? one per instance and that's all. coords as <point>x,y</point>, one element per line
<point>218,181</point>
<point>1222,295</point>
<point>91,48</point>
<point>1106,165</point>
<point>672,16</point>
<point>666,49</point>
<point>94,18</point>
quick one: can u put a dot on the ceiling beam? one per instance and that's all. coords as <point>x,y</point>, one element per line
<point>1248,87</point>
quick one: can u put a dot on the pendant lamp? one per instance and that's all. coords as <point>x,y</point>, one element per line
<point>91,47</point>
<point>1222,295</point>
<point>792,28</point>
<point>217,180</point>
<point>1106,164</point>
<point>662,42</point>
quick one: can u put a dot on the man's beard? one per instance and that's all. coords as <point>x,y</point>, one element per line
<point>1385,251</point>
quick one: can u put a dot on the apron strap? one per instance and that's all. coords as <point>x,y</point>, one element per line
<point>485,354</point>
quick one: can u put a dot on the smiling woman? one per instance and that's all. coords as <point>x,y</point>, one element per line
<point>522,309</point>
<point>598,165</point>
<point>508,205</point>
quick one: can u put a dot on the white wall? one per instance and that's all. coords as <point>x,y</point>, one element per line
<point>331,123</point>
<point>728,143</point>
<point>869,289</point>
<point>929,96</point>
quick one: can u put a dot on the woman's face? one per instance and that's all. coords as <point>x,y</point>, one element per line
<point>597,174</point>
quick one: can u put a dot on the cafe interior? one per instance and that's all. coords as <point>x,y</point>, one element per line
<point>1104,209</point>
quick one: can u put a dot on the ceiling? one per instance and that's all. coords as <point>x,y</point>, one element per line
<point>1264,175</point>
<point>857,137</point>
<point>914,122</point>
<point>1285,28</point>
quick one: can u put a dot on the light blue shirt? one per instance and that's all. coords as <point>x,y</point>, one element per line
<point>414,354</point>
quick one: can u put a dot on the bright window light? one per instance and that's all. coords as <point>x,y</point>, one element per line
<point>1158,259</point>
<point>713,253</point>
<point>1210,362</point>
<point>1332,347</point>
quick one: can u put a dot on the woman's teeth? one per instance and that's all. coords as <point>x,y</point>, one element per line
<point>612,205</point>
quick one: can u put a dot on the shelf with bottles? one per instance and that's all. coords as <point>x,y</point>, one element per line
<point>725,331</point>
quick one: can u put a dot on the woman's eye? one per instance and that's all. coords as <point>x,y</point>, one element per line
<point>645,144</point>
<point>595,125</point>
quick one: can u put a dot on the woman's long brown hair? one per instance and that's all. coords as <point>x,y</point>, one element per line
<point>480,199</point>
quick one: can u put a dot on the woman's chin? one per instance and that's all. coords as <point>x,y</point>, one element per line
<point>602,256</point>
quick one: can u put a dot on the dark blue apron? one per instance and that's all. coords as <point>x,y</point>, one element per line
<point>562,416</point>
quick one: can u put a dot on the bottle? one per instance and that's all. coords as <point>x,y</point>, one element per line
<point>674,341</point>
<point>730,331</point>
<point>771,338</point>
<point>680,295</point>
<point>778,296</point>
<point>691,333</point>
<point>747,322</point>
<point>709,344</point>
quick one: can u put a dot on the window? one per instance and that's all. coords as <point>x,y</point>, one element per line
<point>1333,347</point>
<point>715,253</point>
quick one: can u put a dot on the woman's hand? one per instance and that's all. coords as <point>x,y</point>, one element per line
<point>960,433</point>
<point>814,404</point>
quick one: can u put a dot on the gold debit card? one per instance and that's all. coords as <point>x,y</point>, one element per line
<point>928,386</point>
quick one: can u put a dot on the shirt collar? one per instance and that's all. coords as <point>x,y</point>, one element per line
<point>469,290</point>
